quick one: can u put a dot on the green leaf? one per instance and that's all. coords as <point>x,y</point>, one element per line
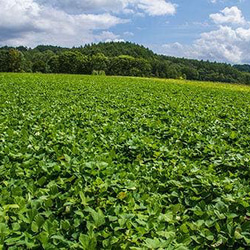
<point>87,242</point>
<point>238,235</point>
<point>4,231</point>
<point>34,227</point>
<point>184,228</point>
<point>155,243</point>
<point>121,195</point>
<point>10,206</point>
<point>98,217</point>
<point>84,199</point>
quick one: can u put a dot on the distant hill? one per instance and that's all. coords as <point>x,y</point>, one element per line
<point>112,49</point>
<point>117,58</point>
<point>243,68</point>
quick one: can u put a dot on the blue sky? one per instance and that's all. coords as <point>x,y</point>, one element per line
<point>203,29</point>
<point>185,26</point>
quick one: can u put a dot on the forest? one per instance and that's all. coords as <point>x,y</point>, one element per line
<point>117,58</point>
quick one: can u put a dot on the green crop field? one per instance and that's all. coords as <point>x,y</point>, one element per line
<point>123,163</point>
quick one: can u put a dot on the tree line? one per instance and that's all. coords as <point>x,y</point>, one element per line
<point>123,58</point>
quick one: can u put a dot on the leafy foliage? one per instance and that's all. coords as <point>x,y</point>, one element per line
<point>95,162</point>
<point>243,68</point>
<point>122,58</point>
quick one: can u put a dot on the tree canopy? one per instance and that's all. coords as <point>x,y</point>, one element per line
<point>117,58</point>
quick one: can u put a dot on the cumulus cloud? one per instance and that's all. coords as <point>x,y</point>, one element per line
<point>67,22</point>
<point>30,23</point>
<point>157,7</point>
<point>128,33</point>
<point>83,6</point>
<point>231,15</point>
<point>227,42</point>
<point>224,1</point>
<point>223,44</point>
<point>153,8</point>
<point>108,36</point>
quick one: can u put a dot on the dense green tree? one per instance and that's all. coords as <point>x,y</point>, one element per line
<point>68,62</point>
<point>99,62</point>
<point>15,60</point>
<point>190,73</point>
<point>114,49</point>
<point>122,58</point>
<point>54,65</point>
<point>121,65</point>
<point>243,68</point>
<point>84,65</point>
<point>142,67</point>
<point>27,66</point>
<point>39,66</point>
<point>173,71</point>
<point>54,49</point>
<point>4,58</point>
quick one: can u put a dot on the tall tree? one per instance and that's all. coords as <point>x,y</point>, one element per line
<point>4,58</point>
<point>15,60</point>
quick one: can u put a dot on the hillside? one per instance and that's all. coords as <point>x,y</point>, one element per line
<point>243,68</point>
<point>118,49</point>
<point>122,58</point>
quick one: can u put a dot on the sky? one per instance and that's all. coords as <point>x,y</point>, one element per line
<point>215,30</point>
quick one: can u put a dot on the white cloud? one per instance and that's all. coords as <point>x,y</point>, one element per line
<point>32,22</point>
<point>221,45</point>
<point>128,33</point>
<point>29,23</point>
<point>83,6</point>
<point>244,34</point>
<point>150,7</point>
<point>231,15</point>
<point>157,7</point>
<point>107,36</point>
<point>226,42</point>
<point>224,1</point>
